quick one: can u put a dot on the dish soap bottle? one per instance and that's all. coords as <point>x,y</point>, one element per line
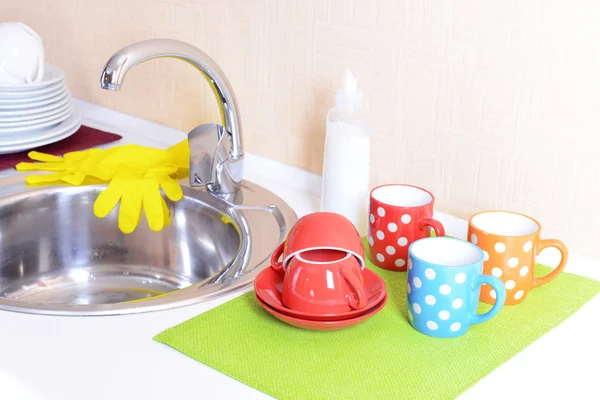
<point>347,156</point>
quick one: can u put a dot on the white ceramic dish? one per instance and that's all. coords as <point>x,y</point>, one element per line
<point>34,103</point>
<point>31,94</point>
<point>52,74</point>
<point>56,133</point>
<point>9,101</point>
<point>31,119</point>
<point>32,132</point>
<point>65,98</point>
<point>58,116</point>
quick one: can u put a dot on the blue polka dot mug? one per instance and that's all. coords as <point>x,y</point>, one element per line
<point>444,281</point>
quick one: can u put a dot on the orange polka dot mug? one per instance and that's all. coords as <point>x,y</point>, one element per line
<point>511,243</point>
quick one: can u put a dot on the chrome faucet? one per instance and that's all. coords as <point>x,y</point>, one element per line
<point>216,152</point>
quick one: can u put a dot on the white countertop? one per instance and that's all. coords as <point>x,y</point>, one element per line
<point>73,358</point>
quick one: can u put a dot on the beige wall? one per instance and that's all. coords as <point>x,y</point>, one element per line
<point>490,104</point>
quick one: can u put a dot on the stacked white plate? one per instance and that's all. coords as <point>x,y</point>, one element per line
<point>36,114</point>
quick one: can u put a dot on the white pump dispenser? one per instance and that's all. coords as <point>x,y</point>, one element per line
<point>347,156</point>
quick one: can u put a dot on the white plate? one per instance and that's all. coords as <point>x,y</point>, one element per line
<point>31,132</point>
<point>8,102</point>
<point>58,116</point>
<point>33,103</point>
<point>52,74</point>
<point>59,132</point>
<point>31,118</point>
<point>36,134</point>
<point>31,94</point>
<point>62,100</point>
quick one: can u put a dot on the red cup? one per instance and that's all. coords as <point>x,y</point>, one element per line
<point>324,282</point>
<point>398,216</point>
<point>319,231</point>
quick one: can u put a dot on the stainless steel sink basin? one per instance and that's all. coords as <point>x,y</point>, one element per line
<point>56,257</point>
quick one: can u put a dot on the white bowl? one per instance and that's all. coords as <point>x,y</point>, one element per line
<point>21,54</point>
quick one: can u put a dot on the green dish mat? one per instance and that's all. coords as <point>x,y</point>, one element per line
<point>381,358</point>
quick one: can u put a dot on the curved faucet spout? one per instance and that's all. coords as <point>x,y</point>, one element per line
<point>119,64</point>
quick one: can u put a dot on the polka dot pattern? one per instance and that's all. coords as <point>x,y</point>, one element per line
<point>445,289</point>
<point>457,303</point>
<point>429,273</point>
<point>435,314</point>
<point>473,238</point>
<point>509,258</point>
<point>380,257</point>
<point>444,315</point>
<point>408,288</point>
<point>397,228</point>
<point>500,247</point>
<point>442,297</point>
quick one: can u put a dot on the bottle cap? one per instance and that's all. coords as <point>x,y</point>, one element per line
<point>349,96</point>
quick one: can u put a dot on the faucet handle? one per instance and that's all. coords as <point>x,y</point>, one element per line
<point>206,150</point>
<point>211,161</point>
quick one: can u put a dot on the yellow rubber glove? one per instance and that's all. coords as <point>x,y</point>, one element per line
<point>135,191</point>
<point>181,151</point>
<point>102,164</point>
<point>73,168</point>
<point>135,174</point>
<point>139,175</point>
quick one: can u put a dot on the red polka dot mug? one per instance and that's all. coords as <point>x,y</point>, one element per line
<point>398,216</point>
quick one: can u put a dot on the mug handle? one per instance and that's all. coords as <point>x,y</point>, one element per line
<point>563,262</point>
<point>437,226</point>
<point>275,264</point>
<point>357,287</point>
<point>500,298</point>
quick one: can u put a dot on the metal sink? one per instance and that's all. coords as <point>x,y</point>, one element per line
<point>57,258</point>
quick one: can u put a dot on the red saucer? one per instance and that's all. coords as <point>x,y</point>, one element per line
<point>323,325</point>
<point>268,284</point>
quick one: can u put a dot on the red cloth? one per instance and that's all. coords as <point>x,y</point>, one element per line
<point>84,138</point>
